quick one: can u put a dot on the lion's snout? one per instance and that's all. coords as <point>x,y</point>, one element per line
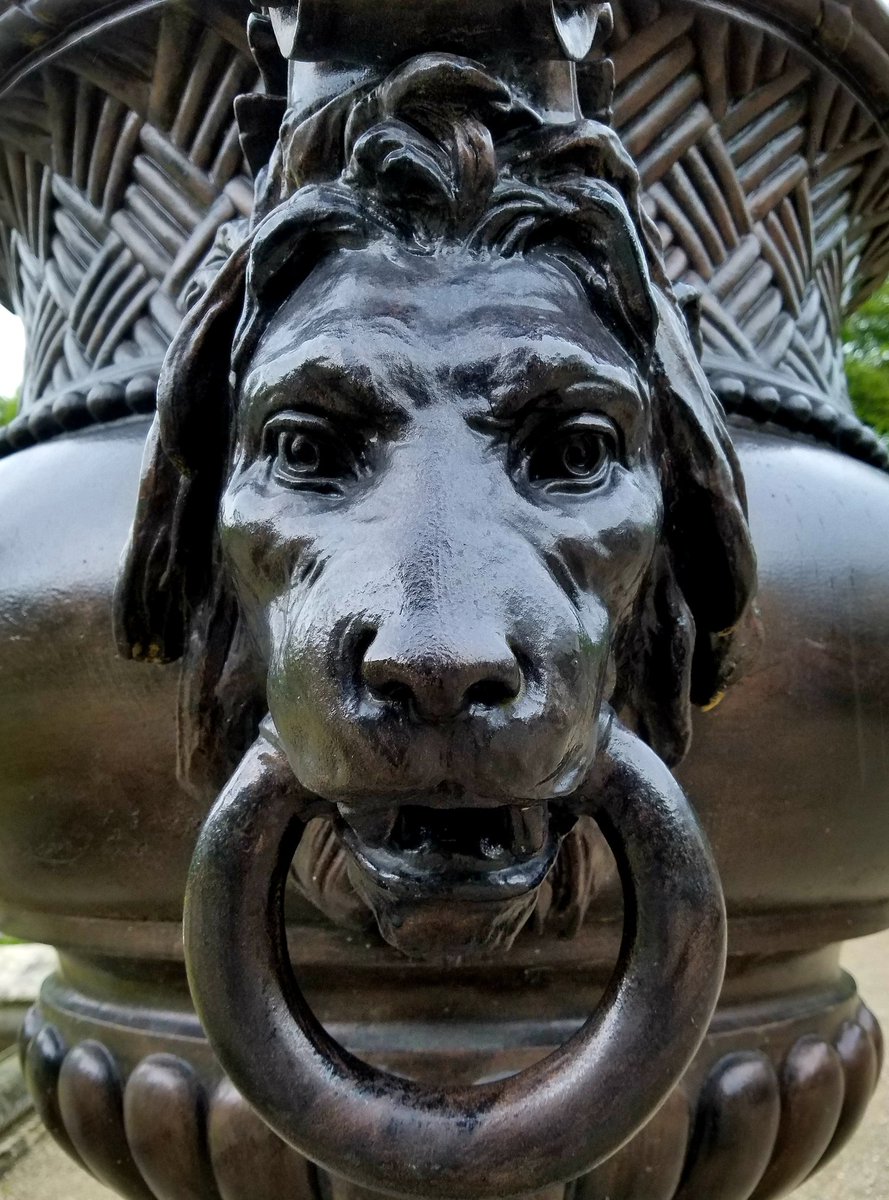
<point>487,695</point>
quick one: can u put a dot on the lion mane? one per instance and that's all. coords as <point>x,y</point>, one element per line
<point>441,155</point>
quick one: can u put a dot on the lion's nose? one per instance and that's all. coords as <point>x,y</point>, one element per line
<point>441,684</point>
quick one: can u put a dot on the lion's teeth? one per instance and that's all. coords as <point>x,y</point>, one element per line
<point>375,827</point>
<point>529,828</point>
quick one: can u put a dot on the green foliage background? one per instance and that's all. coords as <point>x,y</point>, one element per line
<point>866,340</point>
<point>9,406</point>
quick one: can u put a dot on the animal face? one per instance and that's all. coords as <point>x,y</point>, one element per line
<point>442,507</point>
<point>437,479</point>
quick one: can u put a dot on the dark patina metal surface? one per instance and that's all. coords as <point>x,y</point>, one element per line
<point>437,487</point>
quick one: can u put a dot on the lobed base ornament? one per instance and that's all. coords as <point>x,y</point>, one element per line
<point>490,357</point>
<point>773,1094</point>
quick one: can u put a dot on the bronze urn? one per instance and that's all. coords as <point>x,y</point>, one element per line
<point>483,364</point>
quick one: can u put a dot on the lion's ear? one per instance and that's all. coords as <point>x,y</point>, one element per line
<point>149,621</point>
<point>706,527</point>
<point>657,660</point>
<point>167,564</point>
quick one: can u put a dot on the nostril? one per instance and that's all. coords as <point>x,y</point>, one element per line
<point>528,671</point>
<point>357,653</point>
<point>363,642</point>
<point>384,678</point>
<point>490,693</point>
<point>393,692</point>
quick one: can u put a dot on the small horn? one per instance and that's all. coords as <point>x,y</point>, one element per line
<point>384,31</point>
<point>580,25</point>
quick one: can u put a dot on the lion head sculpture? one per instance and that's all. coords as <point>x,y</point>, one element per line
<point>437,481</point>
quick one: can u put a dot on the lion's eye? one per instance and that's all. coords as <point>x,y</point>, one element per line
<point>309,452</point>
<point>576,454</point>
<point>301,453</point>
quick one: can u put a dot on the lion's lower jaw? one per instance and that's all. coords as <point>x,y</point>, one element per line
<point>326,875</point>
<point>424,929</point>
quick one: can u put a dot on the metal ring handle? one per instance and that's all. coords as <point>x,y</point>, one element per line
<point>553,1121</point>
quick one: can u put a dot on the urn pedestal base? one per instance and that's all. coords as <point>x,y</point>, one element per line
<point>131,1090</point>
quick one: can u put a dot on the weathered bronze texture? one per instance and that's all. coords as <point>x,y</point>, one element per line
<point>437,502</point>
<point>442,602</point>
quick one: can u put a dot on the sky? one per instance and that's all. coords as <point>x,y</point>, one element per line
<point>12,352</point>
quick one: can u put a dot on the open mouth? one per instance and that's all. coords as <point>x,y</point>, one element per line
<point>471,854</point>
